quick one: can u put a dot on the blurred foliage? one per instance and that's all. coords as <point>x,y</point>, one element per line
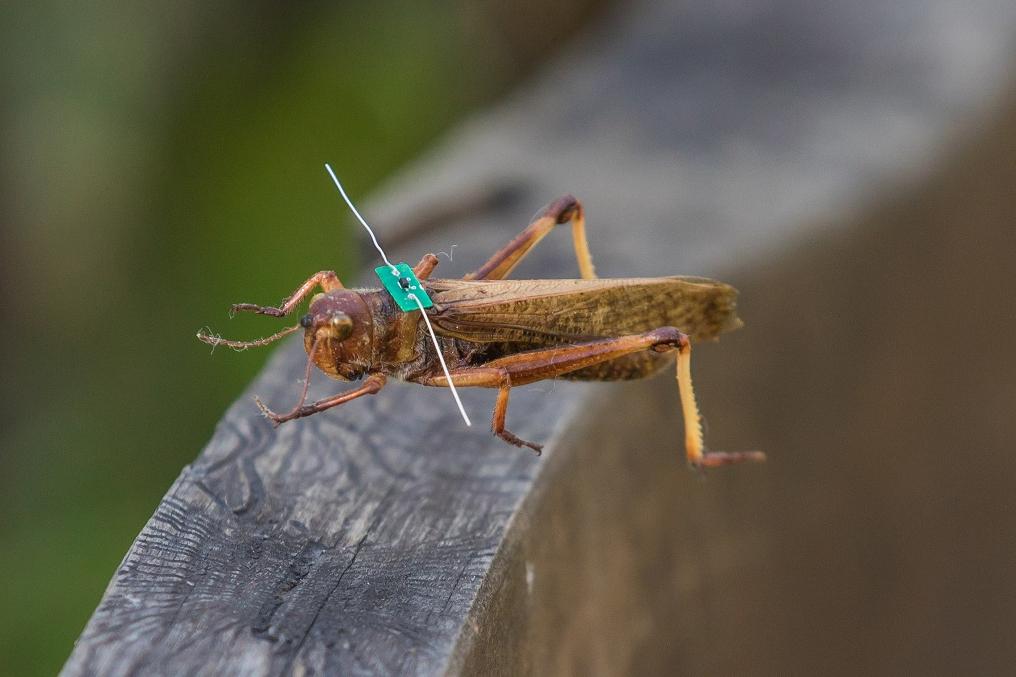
<point>162,161</point>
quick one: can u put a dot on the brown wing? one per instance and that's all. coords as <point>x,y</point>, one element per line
<point>545,312</point>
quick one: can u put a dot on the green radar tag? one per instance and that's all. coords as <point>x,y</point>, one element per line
<point>402,285</point>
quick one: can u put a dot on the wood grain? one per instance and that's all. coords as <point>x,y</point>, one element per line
<point>317,544</point>
<point>382,538</point>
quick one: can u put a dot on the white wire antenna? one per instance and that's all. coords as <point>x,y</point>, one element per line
<point>433,336</point>
<point>444,366</point>
<point>359,218</point>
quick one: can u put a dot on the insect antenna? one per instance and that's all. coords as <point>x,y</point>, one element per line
<point>303,395</point>
<point>216,341</point>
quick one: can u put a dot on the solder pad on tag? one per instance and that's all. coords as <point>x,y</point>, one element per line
<point>402,285</point>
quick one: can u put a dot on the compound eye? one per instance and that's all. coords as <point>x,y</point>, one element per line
<point>342,326</point>
<point>307,321</point>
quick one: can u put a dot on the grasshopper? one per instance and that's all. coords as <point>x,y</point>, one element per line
<point>500,333</point>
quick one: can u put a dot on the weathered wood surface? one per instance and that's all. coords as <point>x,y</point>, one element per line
<point>384,538</point>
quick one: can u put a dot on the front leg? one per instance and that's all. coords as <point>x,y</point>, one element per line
<point>326,278</point>
<point>370,386</point>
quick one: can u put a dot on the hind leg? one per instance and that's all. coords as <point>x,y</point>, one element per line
<point>561,210</point>
<point>544,363</point>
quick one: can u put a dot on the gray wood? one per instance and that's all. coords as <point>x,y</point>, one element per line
<point>384,538</point>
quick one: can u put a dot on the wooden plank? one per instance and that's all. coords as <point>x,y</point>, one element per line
<point>318,544</point>
<point>384,538</point>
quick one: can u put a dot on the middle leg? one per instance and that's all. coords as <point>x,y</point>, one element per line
<point>484,377</point>
<point>425,267</point>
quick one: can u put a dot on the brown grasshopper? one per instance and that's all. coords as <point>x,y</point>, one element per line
<point>499,333</point>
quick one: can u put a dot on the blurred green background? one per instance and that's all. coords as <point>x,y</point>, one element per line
<point>160,162</point>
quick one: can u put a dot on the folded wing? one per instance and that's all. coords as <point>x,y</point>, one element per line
<point>549,312</point>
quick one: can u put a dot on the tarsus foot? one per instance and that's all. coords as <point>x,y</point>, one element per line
<point>714,459</point>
